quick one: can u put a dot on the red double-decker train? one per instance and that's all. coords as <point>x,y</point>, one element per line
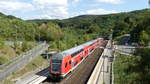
<point>63,63</point>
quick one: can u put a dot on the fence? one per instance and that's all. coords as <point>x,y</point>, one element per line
<point>19,62</point>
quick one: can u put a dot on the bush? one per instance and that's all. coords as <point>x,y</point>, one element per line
<point>1,43</point>
<point>24,46</point>
<point>133,69</point>
<point>126,69</point>
<point>53,45</point>
<point>3,60</point>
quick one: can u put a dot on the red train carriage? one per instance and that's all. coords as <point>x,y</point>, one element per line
<point>63,63</point>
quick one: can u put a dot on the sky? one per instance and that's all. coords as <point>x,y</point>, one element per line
<point>62,9</point>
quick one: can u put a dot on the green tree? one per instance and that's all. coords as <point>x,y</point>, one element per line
<point>144,38</point>
<point>144,65</point>
<point>120,29</point>
<point>25,46</point>
<point>94,28</point>
<point>141,33</point>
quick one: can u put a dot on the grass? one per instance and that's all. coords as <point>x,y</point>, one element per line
<point>125,71</point>
<point>3,60</point>
<point>35,64</point>
<point>6,54</point>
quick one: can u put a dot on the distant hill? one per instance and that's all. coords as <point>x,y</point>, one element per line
<point>13,28</point>
<point>3,16</point>
<point>100,25</point>
<point>102,20</point>
<point>120,23</point>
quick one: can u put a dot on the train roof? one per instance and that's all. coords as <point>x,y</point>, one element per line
<point>61,55</point>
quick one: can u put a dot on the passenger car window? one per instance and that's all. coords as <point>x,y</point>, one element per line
<point>70,62</point>
<point>66,65</point>
<point>81,58</point>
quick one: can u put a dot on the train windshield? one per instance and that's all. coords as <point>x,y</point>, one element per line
<point>56,65</point>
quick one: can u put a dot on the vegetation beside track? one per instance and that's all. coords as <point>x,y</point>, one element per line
<point>8,52</point>
<point>132,69</point>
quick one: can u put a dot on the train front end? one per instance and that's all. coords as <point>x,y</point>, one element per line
<point>55,67</point>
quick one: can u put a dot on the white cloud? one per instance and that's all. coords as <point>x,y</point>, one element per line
<point>46,9</point>
<point>44,16</point>
<point>14,6</point>
<point>45,3</point>
<point>91,5</point>
<point>111,1</point>
<point>41,8</point>
<point>88,12</point>
<point>52,8</point>
<point>97,12</point>
<point>55,12</point>
<point>75,2</point>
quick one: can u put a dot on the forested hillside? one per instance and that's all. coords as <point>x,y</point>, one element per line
<point>135,22</point>
<point>78,29</point>
<point>12,28</point>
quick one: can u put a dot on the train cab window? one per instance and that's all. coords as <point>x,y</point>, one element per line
<point>56,65</point>
<point>66,65</point>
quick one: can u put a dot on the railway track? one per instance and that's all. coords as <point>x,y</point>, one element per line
<point>82,73</point>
